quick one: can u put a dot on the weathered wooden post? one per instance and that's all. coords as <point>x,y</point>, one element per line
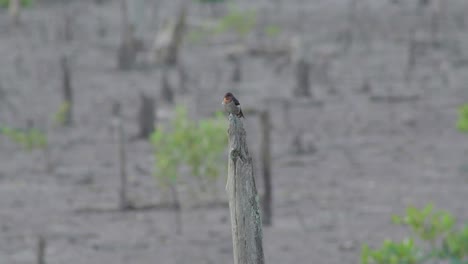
<point>126,55</point>
<point>68,28</point>
<point>302,88</point>
<point>41,249</point>
<point>266,165</point>
<point>167,92</point>
<point>67,90</point>
<point>146,116</point>
<point>246,224</point>
<point>120,136</point>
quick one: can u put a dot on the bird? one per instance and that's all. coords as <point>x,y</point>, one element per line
<point>232,105</point>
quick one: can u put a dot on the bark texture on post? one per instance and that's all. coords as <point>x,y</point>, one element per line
<point>243,200</point>
<point>266,164</point>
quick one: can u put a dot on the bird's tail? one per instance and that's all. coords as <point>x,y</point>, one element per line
<point>240,114</point>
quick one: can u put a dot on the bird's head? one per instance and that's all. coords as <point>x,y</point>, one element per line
<point>227,98</point>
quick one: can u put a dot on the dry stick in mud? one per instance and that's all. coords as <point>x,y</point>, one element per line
<point>67,89</point>
<point>120,136</point>
<point>127,51</point>
<point>41,249</point>
<point>349,35</point>
<point>177,208</point>
<point>413,50</point>
<point>146,116</point>
<point>302,88</point>
<point>436,9</point>
<point>68,28</point>
<point>167,92</point>
<point>266,163</point>
<point>246,224</point>
<point>47,156</point>
<point>178,34</point>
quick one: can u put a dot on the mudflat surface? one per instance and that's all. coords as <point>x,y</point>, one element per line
<point>371,157</point>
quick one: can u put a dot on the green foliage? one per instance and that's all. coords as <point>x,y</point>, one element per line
<point>240,22</point>
<point>60,117</point>
<point>24,3</point>
<point>28,139</point>
<point>426,224</point>
<point>272,31</point>
<point>435,228</point>
<point>199,145</point>
<point>236,21</point>
<point>210,1</point>
<point>462,123</point>
<point>391,253</point>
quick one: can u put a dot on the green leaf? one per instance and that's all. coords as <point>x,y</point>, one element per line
<point>462,122</point>
<point>24,3</point>
<point>60,117</point>
<point>272,31</point>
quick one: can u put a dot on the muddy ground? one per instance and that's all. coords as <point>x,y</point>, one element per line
<point>369,158</point>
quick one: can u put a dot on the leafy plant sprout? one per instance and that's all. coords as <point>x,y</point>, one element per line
<point>436,231</point>
<point>198,145</point>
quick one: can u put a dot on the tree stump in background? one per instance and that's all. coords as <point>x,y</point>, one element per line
<point>167,92</point>
<point>67,90</point>
<point>243,199</point>
<point>124,204</point>
<point>126,56</point>
<point>146,116</point>
<point>183,78</point>
<point>41,250</point>
<point>167,42</point>
<point>68,28</point>
<point>266,164</point>
<point>302,71</point>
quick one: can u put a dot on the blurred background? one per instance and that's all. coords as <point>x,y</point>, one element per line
<point>112,149</point>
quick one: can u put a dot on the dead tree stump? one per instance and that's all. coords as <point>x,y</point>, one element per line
<point>122,160</point>
<point>302,71</point>
<point>266,164</point>
<point>41,250</point>
<point>246,224</point>
<point>127,50</point>
<point>167,92</point>
<point>67,90</point>
<point>173,49</point>
<point>183,78</point>
<point>68,28</point>
<point>167,42</point>
<point>146,116</point>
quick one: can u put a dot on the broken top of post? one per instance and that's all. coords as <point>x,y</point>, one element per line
<point>243,199</point>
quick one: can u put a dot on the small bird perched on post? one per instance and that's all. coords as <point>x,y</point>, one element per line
<point>232,105</point>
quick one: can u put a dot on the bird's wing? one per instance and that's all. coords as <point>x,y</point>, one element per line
<point>236,102</point>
